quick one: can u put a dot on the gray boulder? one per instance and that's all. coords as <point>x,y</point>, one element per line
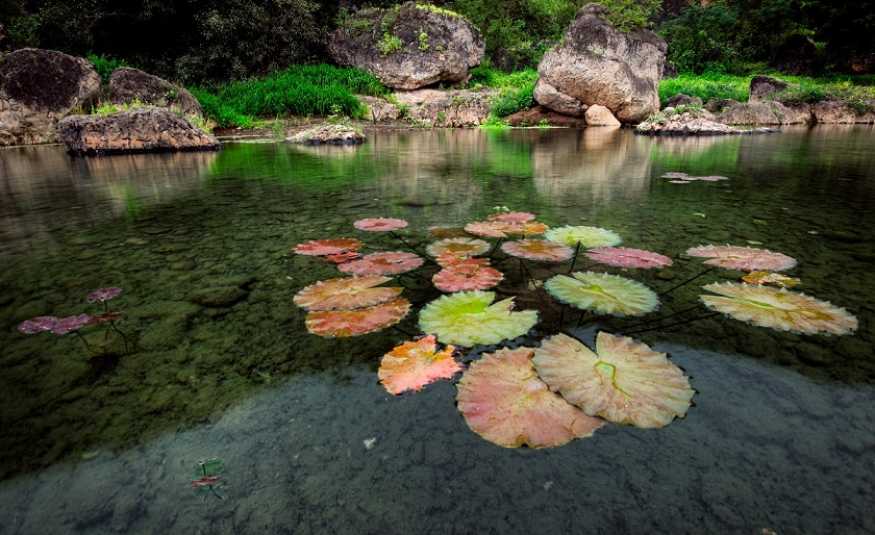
<point>37,89</point>
<point>764,87</point>
<point>142,130</point>
<point>765,113</point>
<point>408,46</point>
<point>717,105</point>
<point>597,64</point>
<point>127,85</point>
<point>548,96</point>
<point>329,134</point>
<point>833,112</point>
<point>670,122</point>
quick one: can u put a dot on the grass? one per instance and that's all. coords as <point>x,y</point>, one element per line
<point>515,90</point>
<point>299,90</point>
<point>854,90</point>
<point>104,65</point>
<point>108,108</point>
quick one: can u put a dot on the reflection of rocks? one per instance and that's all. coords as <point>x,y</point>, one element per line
<point>595,166</point>
<point>73,191</point>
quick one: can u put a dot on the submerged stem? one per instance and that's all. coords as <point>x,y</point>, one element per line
<point>574,258</point>
<point>673,288</point>
<point>672,325</point>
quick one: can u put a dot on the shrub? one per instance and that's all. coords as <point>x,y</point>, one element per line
<point>703,39</point>
<point>630,14</point>
<point>516,90</point>
<point>105,65</point>
<point>389,44</point>
<point>222,114</point>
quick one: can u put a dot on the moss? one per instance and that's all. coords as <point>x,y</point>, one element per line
<point>423,41</point>
<point>389,44</point>
<point>438,10</point>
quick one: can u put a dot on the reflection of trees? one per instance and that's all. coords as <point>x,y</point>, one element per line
<point>591,166</point>
<point>44,189</point>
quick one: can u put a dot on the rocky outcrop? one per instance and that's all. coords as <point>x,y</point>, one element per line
<point>549,96</point>
<point>597,64</point>
<point>597,115</point>
<point>832,112</point>
<point>683,100</point>
<point>329,134</point>
<point>764,88</point>
<point>765,113</point>
<point>142,130</point>
<point>717,105</point>
<point>128,85</point>
<point>540,115</point>
<point>408,46</point>
<point>671,122</point>
<point>37,89</point>
<point>379,110</point>
<point>455,108</point>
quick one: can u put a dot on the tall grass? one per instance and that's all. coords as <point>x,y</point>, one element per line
<point>298,90</point>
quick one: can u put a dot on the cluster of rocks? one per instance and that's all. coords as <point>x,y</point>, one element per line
<point>44,93</point>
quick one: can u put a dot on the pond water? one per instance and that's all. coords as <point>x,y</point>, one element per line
<point>781,438</point>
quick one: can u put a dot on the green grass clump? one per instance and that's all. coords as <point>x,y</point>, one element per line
<point>104,65</point>
<point>299,90</point>
<point>515,90</point>
<point>108,108</point>
<point>706,86</point>
<point>389,44</point>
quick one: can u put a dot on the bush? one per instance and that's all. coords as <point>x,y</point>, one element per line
<point>105,65</point>
<point>702,39</point>
<point>516,89</point>
<point>630,14</point>
<point>299,90</point>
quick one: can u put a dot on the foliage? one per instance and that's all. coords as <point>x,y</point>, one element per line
<point>631,14</point>
<point>108,108</point>
<point>706,86</point>
<point>423,41</point>
<point>701,39</point>
<point>105,65</point>
<point>299,90</point>
<point>389,44</point>
<point>516,90</point>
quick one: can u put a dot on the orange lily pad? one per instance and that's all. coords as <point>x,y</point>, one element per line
<point>346,323</point>
<point>412,365</point>
<point>346,293</point>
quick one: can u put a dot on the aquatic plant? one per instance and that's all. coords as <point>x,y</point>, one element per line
<point>102,295</point>
<point>503,400</point>
<point>603,293</point>
<point>586,237</point>
<point>466,274</point>
<point>412,365</point>
<point>458,247</point>
<point>346,293</point>
<point>471,318</point>
<point>545,396</point>
<point>743,258</point>
<point>346,323</point>
<point>623,381</point>
<point>387,263</point>
<point>779,309</point>
<point>624,257</point>
<point>538,250</point>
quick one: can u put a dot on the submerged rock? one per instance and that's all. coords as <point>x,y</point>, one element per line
<point>597,64</point>
<point>141,130</point>
<point>329,134</point>
<point>37,89</point>
<point>128,85</point>
<point>408,46</point>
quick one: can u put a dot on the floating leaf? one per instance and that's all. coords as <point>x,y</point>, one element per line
<point>624,382</point>
<point>765,277</point>
<point>38,324</point>
<point>469,318</point>
<point>503,400</point>
<point>743,258</point>
<point>392,263</point>
<point>345,323</point>
<point>380,224</point>
<point>342,258</point>
<point>346,293</point>
<point>538,250</point>
<point>328,247</point>
<point>779,309</point>
<point>458,247</point>
<point>72,323</point>
<point>502,229</point>
<point>588,237</point>
<point>624,257</point>
<point>413,365</point>
<point>466,274</point>
<point>603,293</point>
<point>513,217</point>
<point>103,295</point>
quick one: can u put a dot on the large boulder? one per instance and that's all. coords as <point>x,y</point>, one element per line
<point>128,85</point>
<point>408,46</point>
<point>147,129</point>
<point>833,112</point>
<point>37,89</point>
<point>597,64</point>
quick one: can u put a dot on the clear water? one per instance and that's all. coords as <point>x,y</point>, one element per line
<point>782,436</point>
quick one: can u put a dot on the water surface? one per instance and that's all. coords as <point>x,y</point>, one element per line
<point>782,435</point>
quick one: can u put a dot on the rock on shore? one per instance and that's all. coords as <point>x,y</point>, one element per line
<point>597,64</point>
<point>141,130</point>
<point>408,46</point>
<point>329,134</point>
<point>37,89</point>
<point>127,85</point>
<point>689,122</point>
